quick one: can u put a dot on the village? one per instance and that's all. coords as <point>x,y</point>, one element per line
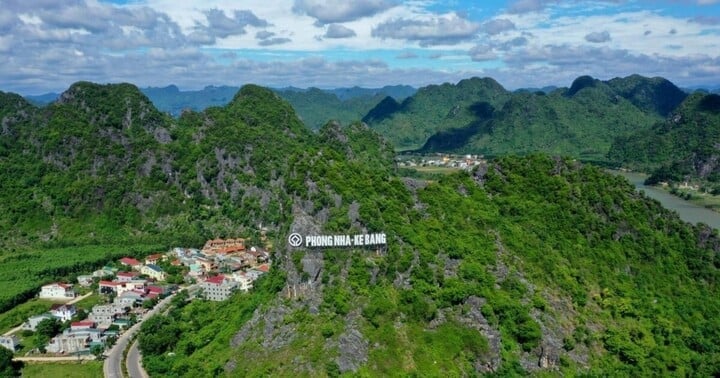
<point>88,315</point>
<point>439,160</point>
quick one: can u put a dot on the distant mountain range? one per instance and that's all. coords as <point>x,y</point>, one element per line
<point>314,106</point>
<point>480,116</point>
<point>634,119</point>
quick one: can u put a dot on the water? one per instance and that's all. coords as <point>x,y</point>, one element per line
<point>688,211</point>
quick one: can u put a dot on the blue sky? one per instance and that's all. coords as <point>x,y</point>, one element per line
<point>46,45</point>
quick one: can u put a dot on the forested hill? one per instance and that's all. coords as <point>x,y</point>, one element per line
<point>526,265</point>
<point>479,116</point>
<point>683,147</point>
<point>102,164</point>
<point>314,106</point>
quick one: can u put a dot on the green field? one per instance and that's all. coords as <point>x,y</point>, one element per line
<point>23,272</point>
<point>443,170</point>
<point>18,314</point>
<point>86,369</point>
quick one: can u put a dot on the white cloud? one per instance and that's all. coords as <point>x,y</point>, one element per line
<point>598,37</point>
<point>339,31</point>
<point>442,30</point>
<point>334,11</point>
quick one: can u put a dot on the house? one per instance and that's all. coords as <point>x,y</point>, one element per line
<point>206,264</point>
<point>154,259</point>
<point>224,246</point>
<point>128,299</point>
<point>85,280</point>
<point>76,340</point>
<point>102,273</point>
<point>134,285</point>
<point>69,342</point>
<point>33,321</point>
<point>130,262</point>
<point>218,288</point>
<point>127,276</point>
<point>107,287</point>
<point>153,271</point>
<point>244,281</point>
<point>254,273</point>
<point>9,342</point>
<point>63,312</point>
<point>263,268</point>
<point>57,291</point>
<point>106,314</point>
<point>84,324</point>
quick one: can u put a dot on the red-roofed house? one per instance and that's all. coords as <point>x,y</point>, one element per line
<point>107,287</point>
<point>218,288</point>
<point>154,259</point>
<point>131,262</point>
<point>263,268</point>
<point>127,276</point>
<point>57,291</point>
<point>224,246</point>
<point>85,324</point>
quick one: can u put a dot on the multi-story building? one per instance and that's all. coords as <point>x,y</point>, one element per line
<point>57,291</point>
<point>218,288</point>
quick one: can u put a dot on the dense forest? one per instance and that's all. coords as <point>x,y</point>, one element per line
<point>479,116</point>
<point>683,147</point>
<point>525,265</point>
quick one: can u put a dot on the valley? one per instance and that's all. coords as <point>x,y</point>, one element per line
<point>520,263</point>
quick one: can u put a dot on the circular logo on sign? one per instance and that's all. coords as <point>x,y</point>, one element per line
<point>295,240</point>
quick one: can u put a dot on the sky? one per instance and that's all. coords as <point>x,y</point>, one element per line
<point>46,45</point>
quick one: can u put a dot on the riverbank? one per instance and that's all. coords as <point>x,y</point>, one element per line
<point>692,211</point>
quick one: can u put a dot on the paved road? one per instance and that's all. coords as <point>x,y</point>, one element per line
<point>133,363</point>
<point>78,299</point>
<point>112,367</point>
<point>10,332</point>
<point>55,359</point>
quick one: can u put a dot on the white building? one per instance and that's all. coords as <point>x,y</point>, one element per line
<point>33,321</point>
<point>105,314</point>
<point>63,312</point>
<point>57,291</point>
<point>218,288</point>
<point>9,342</point>
<point>244,281</point>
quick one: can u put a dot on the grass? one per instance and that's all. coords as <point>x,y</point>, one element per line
<point>443,170</point>
<point>699,198</point>
<point>23,272</point>
<point>88,303</point>
<point>85,369</point>
<point>17,315</point>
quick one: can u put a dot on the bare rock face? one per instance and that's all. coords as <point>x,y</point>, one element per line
<point>474,318</point>
<point>353,348</point>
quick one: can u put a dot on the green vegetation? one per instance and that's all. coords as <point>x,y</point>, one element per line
<point>315,107</point>
<point>19,313</point>
<point>86,369</point>
<point>524,265</point>
<point>681,148</point>
<point>479,116</point>
<point>22,272</point>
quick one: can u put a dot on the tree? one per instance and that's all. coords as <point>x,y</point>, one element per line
<point>7,369</point>
<point>97,351</point>
<point>48,328</point>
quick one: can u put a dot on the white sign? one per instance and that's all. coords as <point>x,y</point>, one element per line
<point>359,240</point>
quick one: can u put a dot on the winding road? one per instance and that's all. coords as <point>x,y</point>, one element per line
<point>112,368</point>
<point>134,362</point>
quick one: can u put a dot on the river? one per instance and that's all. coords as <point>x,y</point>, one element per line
<point>688,211</point>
